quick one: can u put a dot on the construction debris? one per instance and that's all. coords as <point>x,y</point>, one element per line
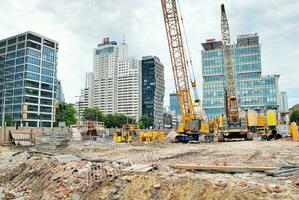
<point>49,141</point>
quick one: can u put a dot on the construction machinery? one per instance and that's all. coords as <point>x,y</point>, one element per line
<point>234,126</point>
<point>189,128</point>
<point>271,126</point>
<point>147,136</point>
<point>128,132</point>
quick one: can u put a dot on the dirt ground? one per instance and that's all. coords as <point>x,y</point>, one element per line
<point>100,171</point>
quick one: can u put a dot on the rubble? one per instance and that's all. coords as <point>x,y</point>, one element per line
<point>96,170</point>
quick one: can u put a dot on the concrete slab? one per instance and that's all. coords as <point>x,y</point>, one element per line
<point>66,158</point>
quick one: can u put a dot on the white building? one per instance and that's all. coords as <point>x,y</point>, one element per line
<point>116,81</point>
<point>128,88</point>
<point>284,107</point>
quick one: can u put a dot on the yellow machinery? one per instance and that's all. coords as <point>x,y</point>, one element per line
<point>125,135</point>
<point>234,125</point>
<point>271,126</point>
<point>294,131</point>
<point>260,125</point>
<point>189,128</point>
<point>151,136</point>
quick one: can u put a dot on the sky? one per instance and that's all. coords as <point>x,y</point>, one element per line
<point>79,25</point>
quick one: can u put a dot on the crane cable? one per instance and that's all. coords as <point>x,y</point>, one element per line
<point>188,49</point>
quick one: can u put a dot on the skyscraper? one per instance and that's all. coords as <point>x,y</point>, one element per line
<point>153,89</point>
<point>128,88</point>
<point>28,76</point>
<point>117,79</point>
<point>254,90</point>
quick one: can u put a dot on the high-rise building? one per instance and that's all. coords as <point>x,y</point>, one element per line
<point>153,89</point>
<point>60,93</point>
<point>28,76</point>
<point>174,104</point>
<point>116,81</point>
<point>284,107</point>
<point>105,66</point>
<point>254,90</point>
<point>129,87</point>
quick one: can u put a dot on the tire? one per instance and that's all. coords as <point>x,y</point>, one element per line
<point>221,137</point>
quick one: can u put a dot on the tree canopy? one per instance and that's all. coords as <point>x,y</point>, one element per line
<point>65,113</point>
<point>145,122</point>
<point>295,117</point>
<point>93,114</point>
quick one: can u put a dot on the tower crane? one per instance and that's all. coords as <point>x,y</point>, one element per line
<point>234,126</point>
<point>189,128</point>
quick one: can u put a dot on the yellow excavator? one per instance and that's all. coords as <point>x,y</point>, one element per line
<point>190,127</point>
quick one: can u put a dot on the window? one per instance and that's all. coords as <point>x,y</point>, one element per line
<point>46,86</point>
<point>8,100</point>
<point>32,84</point>
<point>21,53</point>
<point>11,48</point>
<point>16,108</point>
<point>21,45</point>
<point>10,55</point>
<point>47,72</point>
<point>2,50</point>
<point>32,68</point>
<point>18,84</point>
<point>34,53</point>
<point>46,101</point>
<point>18,92</point>
<point>32,60</point>
<point>32,76</point>
<point>2,44</point>
<point>45,109</point>
<point>47,79</point>
<point>21,38</point>
<point>12,41</point>
<point>48,54</point>
<point>33,37</point>
<point>33,45</point>
<point>20,68</point>
<point>32,108</point>
<point>10,63</point>
<point>46,94</point>
<point>10,70</point>
<point>32,116</point>
<point>18,100</point>
<point>19,76</point>
<point>9,77</point>
<point>9,93</point>
<point>30,99</point>
<point>48,65</point>
<point>49,43</point>
<point>31,92</point>
<point>20,60</point>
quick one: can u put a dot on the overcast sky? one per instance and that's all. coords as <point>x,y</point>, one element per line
<point>79,25</point>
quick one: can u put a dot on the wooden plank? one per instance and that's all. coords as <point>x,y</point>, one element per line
<point>229,169</point>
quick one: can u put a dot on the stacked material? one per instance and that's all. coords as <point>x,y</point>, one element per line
<point>52,140</point>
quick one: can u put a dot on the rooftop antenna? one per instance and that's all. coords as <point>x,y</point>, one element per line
<point>124,39</point>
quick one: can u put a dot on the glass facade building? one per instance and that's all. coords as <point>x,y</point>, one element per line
<point>174,104</point>
<point>28,68</point>
<point>255,91</point>
<point>153,89</point>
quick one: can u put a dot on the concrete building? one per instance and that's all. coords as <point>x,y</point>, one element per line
<point>28,76</point>
<point>60,93</point>
<point>129,88</point>
<point>254,90</point>
<point>116,80</point>
<point>153,89</point>
<point>284,107</point>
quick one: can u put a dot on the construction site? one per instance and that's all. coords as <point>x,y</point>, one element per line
<point>236,155</point>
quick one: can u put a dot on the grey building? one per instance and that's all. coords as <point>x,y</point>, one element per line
<point>28,76</point>
<point>153,89</point>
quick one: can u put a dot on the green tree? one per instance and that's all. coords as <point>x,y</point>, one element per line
<point>65,113</point>
<point>295,117</point>
<point>145,122</point>
<point>117,120</point>
<point>93,114</point>
<point>8,119</point>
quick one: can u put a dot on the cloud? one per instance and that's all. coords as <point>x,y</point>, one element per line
<point>79,25</point>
